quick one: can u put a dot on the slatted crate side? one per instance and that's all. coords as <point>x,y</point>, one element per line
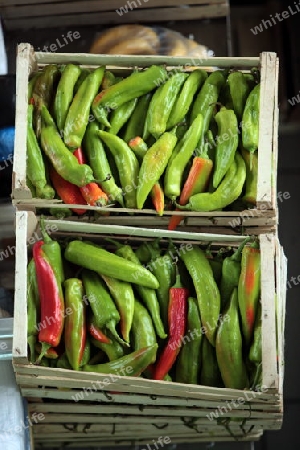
<point>91,12</point>
<point>265,215</point>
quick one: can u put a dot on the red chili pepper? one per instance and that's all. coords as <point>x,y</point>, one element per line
<point>91,192</point>
<point>52,301</point>
<point>196,182</point>
<point>177,318</point>
<point>97,333</point>
<point>68,192</point>
<point>158,198</point>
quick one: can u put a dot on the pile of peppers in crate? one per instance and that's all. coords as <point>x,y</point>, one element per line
<point>163,311</point>
<point>167,139</point>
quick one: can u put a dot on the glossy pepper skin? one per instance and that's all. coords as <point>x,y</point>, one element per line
<point>69,193</point>
<point>126,163</point>
<point>227,192</point>
<point>139,147</point>
<point>229,347</point>
<point>98,161</point>
<point>184,100</point>
<point>91,257</point>
<point>251,162</point>
<point>123,295</point>
<point>63,161</point>
<point>86,356</point>
<point>208,295</point>
<point>51,298</point>
<point>121,115</point>
<point>52,250</point>
<point>135,124</point>
<point>64,94</point>
<point>209,373</point>
<point>255,353</point>
<point>239,90</point>
<point>175,168</point>
<point>147,295</point>
<point>249,289</point>
<point>114,350</point>
<point>205,101</point>
<point>133,364</point>
<point>158,198</point>
<point>31,84</point>
<point>163,268</point>
<point>153,165</point>
<point>161,106</point>
<point>177,319</point>
<point>231,270</point>
<point>250,129</point>
<point>35,166</point>
<point>189,360</point>
<point>95,331</point>
<point>143,333</point>
<point>78,113</point>
<point>225,151</point>
<point>75,322</point>
<point>83,74</point>
<point>33,308</point>
<point>91,192</point>
<point>105,313</point>
<point>136,85</point>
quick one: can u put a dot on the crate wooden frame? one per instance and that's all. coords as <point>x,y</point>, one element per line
<point>263,218</point>
<point>93,12</point>
<point>140,400</point>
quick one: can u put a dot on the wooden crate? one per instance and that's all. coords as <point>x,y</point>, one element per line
<point>46,13</point>
<point>158,408</point>
<point>263,218</point>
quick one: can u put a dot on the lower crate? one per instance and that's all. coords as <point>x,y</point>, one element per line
<point>91,405</point>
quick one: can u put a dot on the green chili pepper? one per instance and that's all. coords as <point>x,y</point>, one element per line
<point>113,351</point>
<point>135,125</point>
<point>83,74</point>
<point>229,347</point>
<point>60,213</point>
<point>52,250</point>
<point>86,356</point>
<point>153,165</point>
<point>33,309</point>
<point>78,114</point>
<point>143,333</point>
<point>164,269</point>
<point>226,148</point>
<point>104,310</point>
<point>133,364</point>
<point>250,123</point>
<point>64,162</point>
<point>35,166</point>
<point>63,362</point>
<point>161,106</point>
<point>176,166</point>
<point>42,93</point>
<point>210,373</point>
<point>108,79</point>
<point>227,192</point>
<point>99,163</point>
<point>92,257</point>
<point>189,360</point>
<point>147,295</point>
<point>136,85</point>
<point>231,270</point>
<point>216,263</point>
<point>255,353</point>
<point>205,101</point>
<point>123,296</point>
<point>185,98</point>
<point>250,194</point>
<point>121,115</point>
<point>31,84</point>
<point>64,94</point>
<point>127,165</point>
<point>207,291</point>
<point>139,147</point>
<point>75,326</point>
<point>239,91</point>
<point>145,251</point>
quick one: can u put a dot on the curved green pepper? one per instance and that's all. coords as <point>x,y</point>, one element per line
<point>161,106</point>
<point>229,347</point>
<point>139,147</point>
<point>210,373</point>
<point>31,84</point>
<point>250,123</point>
<point>83,74</point>
<point>33,308</point>
<point>251,161</point>
<point>113,351</point>
<point>255,353</point>
<point>186,96</point>
<point>120,116</point>
<point>135,125</point>
<point>52,250</point>
<point>143,334</point>
<point>226,148</point>
<point>239,90</point>
<point>64,94</point>
<point>99,163</point>
<point>127,165</point>
<point>227,192</point>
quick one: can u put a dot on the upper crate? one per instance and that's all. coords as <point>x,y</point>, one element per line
<point>262,218</point>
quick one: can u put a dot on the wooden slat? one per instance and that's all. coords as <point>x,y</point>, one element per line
<point>31,9</point>
<point>107,4</point>
<point>110,18</point>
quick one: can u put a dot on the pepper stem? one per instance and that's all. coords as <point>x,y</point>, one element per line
<point>46,237</point>
<point>111,327</point>
<point>112,241</point>
<point>178,283</point>
<point>45,348</point>
<point>238,253</point>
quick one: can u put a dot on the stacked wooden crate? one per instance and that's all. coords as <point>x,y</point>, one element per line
<point>78,411</point>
